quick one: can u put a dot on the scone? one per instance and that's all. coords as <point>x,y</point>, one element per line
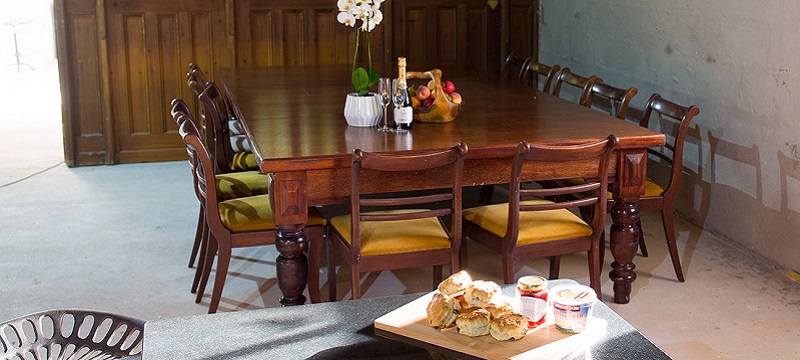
<point>509,327</point>
<point>442,310</point>
<point>455,283</point>
<point>480,293</point>
<point>474,323</point>
<point>498,310</point>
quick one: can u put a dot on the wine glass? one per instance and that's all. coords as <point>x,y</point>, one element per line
<point>384,97</point>
<point>398,99</point>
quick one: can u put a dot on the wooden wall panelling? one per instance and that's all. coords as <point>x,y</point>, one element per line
<point>150,45</point>
<point>445,33</point>
<point>271,33</point>
<point>83,87</point>
<point>523,28</point>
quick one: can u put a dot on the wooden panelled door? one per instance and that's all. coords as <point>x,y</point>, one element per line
<point>122,61</point>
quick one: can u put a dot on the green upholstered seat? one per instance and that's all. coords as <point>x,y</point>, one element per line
<point>254,213</point>
<point>241,184</point>
<point>244,161</point>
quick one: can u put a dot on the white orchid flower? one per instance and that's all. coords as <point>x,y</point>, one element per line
<point>347,18</point>
<point>344,5</point>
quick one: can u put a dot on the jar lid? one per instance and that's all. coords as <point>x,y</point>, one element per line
<point>532,282</point>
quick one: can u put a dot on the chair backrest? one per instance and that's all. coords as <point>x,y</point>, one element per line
<point>583,83</point>
<point>679,116</point>
<point>215,113</point>
<point>534,70</point>
<point>618,100</point>
<point>180,113</point>
<point>514,67</point>
<point>196,79</point>
<point>592,192</point>
<point>202,166</point>
<point>396,164</point>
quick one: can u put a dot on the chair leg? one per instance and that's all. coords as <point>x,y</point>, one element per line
<point>211,250</point>
<point>201,260</point>
<point>437,276</point>
<point>642,244</point>
<point>315,238</point>
<point>198,236</point>
<point>355,277</point>
<point>602,249</point>
<point>667,218</point>
<point>463,254</point>
<point>223,261</point>
<point>487,191</point>
<point>555,266</point>
<point>594,270</point>
<point>331,268</point>
<point>508,268</point>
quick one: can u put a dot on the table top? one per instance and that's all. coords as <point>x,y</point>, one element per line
<point>294,117</point>
<point>336,330</point>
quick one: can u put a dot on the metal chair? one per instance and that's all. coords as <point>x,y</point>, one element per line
<point>71,334</point>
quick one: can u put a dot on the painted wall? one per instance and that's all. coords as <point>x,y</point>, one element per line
<point>740,62</point>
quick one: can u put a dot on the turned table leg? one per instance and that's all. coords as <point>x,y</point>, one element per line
<point>631,168</point>
<point>289,203</point>
<point>624,238</point>
<point>292,266</point>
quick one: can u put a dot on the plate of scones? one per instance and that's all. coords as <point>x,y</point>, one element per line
<point>472,317</point>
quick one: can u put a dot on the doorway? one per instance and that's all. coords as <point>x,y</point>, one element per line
<point>31,136</point>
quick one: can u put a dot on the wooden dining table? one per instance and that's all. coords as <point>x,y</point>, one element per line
<point>293,118</point>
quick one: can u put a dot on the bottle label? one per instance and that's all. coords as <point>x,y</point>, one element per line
<point>403,115</point>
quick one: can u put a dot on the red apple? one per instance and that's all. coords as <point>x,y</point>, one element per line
<point>427,102</point>
<point>456,97</point>
<point>423,92</point>
<point>448,87</point>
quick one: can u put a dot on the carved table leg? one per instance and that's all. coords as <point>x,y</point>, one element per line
<point>624,238</point>
<point>292,266</point>
<point>631,168</point>
<point>287,195</point>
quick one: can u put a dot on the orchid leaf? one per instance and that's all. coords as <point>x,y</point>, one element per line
<point>374,77</point>
<point>361,81</point>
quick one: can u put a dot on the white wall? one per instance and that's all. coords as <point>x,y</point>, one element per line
<point>740,62</point>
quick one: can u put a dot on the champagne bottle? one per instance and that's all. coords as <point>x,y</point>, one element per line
<point>403,112</point>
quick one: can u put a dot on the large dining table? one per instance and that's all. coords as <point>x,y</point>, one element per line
<point>293,118</point>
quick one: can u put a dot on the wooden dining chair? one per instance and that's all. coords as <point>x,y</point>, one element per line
<point>527,226</point>
<point>514,67</point>
<point>240,222</point>
<point>616,100</point>
<point>230,186</point>
<point>398,230</point>
<point>227,157</point>
<point>675,120</point>
<point>534,71</point>
<point>583,83</point>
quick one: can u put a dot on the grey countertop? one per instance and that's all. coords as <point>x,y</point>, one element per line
<point>337,330</point>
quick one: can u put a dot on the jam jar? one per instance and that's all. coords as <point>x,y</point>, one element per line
<point>532,299</point>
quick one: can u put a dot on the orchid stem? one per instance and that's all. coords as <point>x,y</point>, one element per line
<point>355,53</point>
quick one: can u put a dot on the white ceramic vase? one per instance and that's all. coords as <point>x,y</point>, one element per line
<point>362,111</point>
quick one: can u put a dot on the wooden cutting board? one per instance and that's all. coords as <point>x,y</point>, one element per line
<point>410,324</point>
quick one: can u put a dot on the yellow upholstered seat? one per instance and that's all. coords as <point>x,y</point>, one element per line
<point>254,213</point>
<point>535,226</point>
<point>395,237</point>
<point>651,188</point>
<point>244,161</point>
<point>241,184</point>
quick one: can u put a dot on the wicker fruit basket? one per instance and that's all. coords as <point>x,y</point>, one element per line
<point>442,109</point>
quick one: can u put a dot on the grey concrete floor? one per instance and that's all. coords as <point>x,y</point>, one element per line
<point>117,238</point>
